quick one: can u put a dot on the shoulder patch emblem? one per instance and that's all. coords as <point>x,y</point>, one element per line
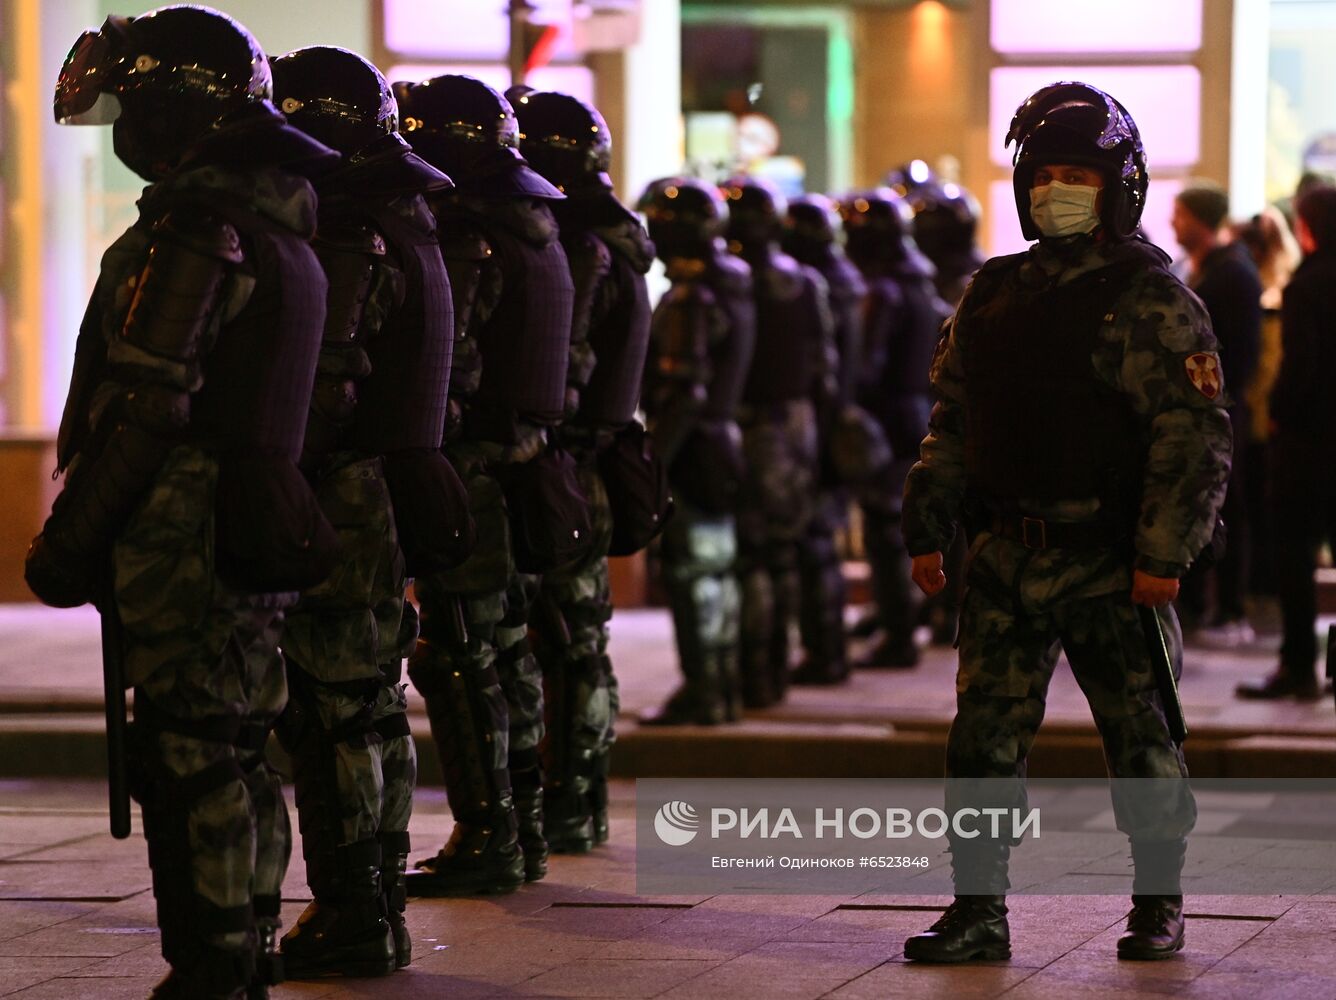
<point>1204,373</point>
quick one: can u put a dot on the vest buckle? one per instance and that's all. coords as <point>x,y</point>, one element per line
<point>1034,533</point>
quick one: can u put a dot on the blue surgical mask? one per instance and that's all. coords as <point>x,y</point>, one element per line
<point>1064,209</point>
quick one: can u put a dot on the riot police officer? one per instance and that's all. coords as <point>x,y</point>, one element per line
<point>792,372</point>
<point>568,142</point>
<point>812,236</point>
<point>946,223</point>
<point>372,452</point>
<point>513,300</point>
<point>701,340</point>
<point>183,513</point>
<point>900,333</point>
<point>1081,434</point>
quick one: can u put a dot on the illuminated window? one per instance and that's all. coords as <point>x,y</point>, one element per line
<point>476,29</point>
<point>1101,26</point>
<point>1165,102</point>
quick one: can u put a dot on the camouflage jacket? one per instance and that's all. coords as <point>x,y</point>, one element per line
<point>1146,350</point>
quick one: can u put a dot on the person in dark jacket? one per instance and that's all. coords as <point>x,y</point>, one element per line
<point>372,455</point>
<point>1303,414</point>
<point>1225,278</point>
<point>183,515</point>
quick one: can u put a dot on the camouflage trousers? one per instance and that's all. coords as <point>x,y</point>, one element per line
<point>354,762</point>
<point>208,680</point>
<point>489,600</point>
<point>1020,610</point>
<point>775,508</point>
<point>571,622</point>
<point>698,557</point>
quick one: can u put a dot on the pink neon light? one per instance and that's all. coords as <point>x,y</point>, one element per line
<point>475,29</point>
<point>1004,228</point>
<point>1096,25</point>
<point>1164,100</point>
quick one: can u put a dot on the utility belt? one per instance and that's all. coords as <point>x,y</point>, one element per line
<point>1100,532</point>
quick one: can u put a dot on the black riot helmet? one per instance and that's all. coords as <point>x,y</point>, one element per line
<point>342,100</point>
<point>464,127</point>
<point>811,228</point>
<point>564,139</point>
<point>878,227</point>
<point>685,216</point>
<point>755,212</point>
<point>946,215</point>
<point>1076,123</point>
<point>164,79</point>
<point>911,176</point>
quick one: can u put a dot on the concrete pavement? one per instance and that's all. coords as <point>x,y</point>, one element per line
<point>76,922</point>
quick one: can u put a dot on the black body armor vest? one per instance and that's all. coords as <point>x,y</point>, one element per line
<point>732,349</point>
<point>788,319</point>
<point>403,402</point>
<point>258,376</point>
<point>847,291</point>
<point>619,340</point>
<point>1041,424</point>
<point>526,342</point>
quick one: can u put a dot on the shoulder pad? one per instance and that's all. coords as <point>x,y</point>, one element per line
<point>350,237</point>
<point>463,243</point>
<point>1006,262</point>
<point>731,273</point>
<point>204,233</point>
<point>587,250</point>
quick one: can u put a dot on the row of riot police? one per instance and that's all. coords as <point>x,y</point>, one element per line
<point>788,376</point>
<point>320,365</point>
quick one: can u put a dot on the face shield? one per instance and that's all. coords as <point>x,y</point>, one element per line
<point>83,88</point>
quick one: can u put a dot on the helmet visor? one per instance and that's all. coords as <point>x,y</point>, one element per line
<point>81,95</point>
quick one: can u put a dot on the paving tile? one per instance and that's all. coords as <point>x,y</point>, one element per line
<point>19,973</point>
<point>19,917</point>
<point>143,961</point>
<point>88,989</point>
<point>1270,984</point>
<point>888,927</point>
<point>614,978</point>
<point>896,979</point>
<point>100,847</point>
<point>596,923</point>
<point>73,880</point>
<point>101,931</point>
<point>407,984</point>
<point>787,970</point>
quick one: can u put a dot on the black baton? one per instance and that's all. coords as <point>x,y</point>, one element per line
<point>1163,668</point>
<point>113,687</point>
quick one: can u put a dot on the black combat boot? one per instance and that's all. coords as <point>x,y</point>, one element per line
<point>269,970</point>
<point>213,974</point>
<point>1154,928</point>
<point>1155,924</point>
<point>973,928</point>
<point>598,794</point>
<point>568,821</point>
<point>706,693</point>
<point>890,653</point>
<point>343,932</point>
<point>469,720</point>
<point>528,790</point>
<point>394,847</point>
